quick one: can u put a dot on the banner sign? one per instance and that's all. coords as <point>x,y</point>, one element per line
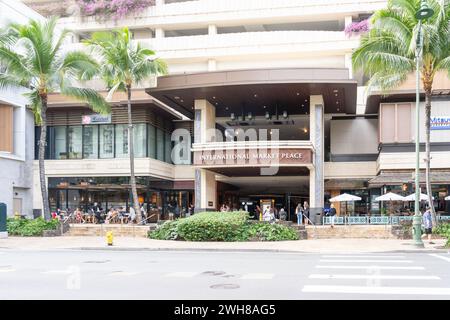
<point>440,123</point>
<point>96,119</point>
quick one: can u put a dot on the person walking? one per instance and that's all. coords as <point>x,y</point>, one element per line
<point>428,224</point>
<point>306,212</point>
<point>332,214</point>
<point>299,213</point>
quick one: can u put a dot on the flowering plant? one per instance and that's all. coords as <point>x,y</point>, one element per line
<point>117,9</point>
<point>357,27</point>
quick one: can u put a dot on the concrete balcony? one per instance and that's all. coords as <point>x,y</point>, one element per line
<point>203,12</point>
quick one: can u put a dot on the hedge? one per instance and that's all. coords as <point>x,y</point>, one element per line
<point>222,226</point>
<point>30,227</point>
<point>443,229</point>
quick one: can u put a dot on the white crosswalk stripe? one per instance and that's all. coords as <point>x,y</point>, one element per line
<point>377,290</point>
<point>362,256</point>
<point>122,273</point>
<point>365,260</point>
<point>247,276</point>
<point>370,267</point>
<point>7,270</point>
<point>440,257</point>
<point>372,276</point>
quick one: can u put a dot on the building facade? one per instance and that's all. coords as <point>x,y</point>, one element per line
<point>261,107</point>
<point>16,131</point>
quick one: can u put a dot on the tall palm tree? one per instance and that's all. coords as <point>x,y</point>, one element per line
<point>387,53</point>
<point>125,64</point>
<point>32,56</point>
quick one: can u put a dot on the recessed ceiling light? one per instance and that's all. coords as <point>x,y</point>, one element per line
<point>217,103</point>
<point>181,100</point>
<point>176,97</point>
<point>335,94</point>
<point>303,105</point>
<point>337,102</point>
<point>335,90</point>
<point>305,130</point>
<point>306,100</point>
<point>255,95</point>
<point>264,107</point>
<point>298,93</point>
<point>214,97</point>
<point>337,109</point>
<point>226,108</point>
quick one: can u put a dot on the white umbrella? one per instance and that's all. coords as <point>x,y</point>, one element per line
<point>390,197</point>
<point>412,197</point>
<point>447,198</point>
<point>345,197</point>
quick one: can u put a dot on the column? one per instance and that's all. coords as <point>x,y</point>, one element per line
<point>348,20</point>
<point>316,174</point>
<point>212,29</point>
<point>159,33</point>
<point>348,65</point>
<point>159,2</point>
<point>212,65</point>
<point>205,180</point>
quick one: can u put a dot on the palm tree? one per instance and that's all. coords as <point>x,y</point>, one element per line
<point>125,64</point>
<point>32,56</point>
<point>387,53</point>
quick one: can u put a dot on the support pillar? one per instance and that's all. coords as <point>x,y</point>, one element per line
<point>204,132</point>
<point>159,33</point>
<point>316,176</point>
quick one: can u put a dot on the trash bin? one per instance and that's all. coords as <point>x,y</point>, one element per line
<point>3,230</point>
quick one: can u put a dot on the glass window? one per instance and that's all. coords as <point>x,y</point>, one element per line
<point>121,140</point>
<point>168,148</point>
<point>60,143</point>
<point>75,142</point>
<point>159,144</point>
<point>106,141</point>
<point>90,143</point>
<point>140,141</point>
<point>151,141</point>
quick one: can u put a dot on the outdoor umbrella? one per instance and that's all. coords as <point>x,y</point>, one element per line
<point>390,197</point>
<point>345,197</point>
<point>412,197</point>
<point>447,198</point>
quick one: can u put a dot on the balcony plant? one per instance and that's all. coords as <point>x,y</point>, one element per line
<point>115,9</point>
<point>356,28</point>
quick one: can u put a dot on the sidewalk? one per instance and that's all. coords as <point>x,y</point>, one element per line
<point>305,246</point>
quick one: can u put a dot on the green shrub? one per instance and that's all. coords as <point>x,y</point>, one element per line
<point>30,227</point>
<point>222,226</point>
<point>443,229</point>
<point>167,231</point>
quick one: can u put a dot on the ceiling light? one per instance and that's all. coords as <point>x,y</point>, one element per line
<point>285,114</point>
<point>255,95</point>
<point>337,102</point>
<point>250,116</point>
<point>306,100</point>
<point>181,100</point>
<point>264,107</point>
<point>217,103</point>
<point>267,115</point>
<point>335,90</point>
<point>176,97</point>
<point>214,97</point>
<point>303,105</point>
<point>298,93</point>
<point>305,130</point>
<point>226,108</point>
<point>232,116</point>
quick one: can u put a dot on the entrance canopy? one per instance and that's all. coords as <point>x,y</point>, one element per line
<point>259,91</point>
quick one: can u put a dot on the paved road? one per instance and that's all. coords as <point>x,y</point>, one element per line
<point>76,274</point>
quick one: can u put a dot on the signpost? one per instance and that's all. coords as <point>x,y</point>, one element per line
<point>3,229</point>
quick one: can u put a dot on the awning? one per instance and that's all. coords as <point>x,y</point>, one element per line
<point>346,184</point>
<point>398,178</point>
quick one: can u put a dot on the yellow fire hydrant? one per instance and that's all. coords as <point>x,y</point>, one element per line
<point>109,238</point>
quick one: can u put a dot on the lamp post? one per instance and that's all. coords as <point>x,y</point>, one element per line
<point>424,13</point>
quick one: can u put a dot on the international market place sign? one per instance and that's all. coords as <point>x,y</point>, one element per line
<point>440,123</point>
<point>96,119</point>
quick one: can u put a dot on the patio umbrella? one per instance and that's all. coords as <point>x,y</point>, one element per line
<point>345,197</point>
<point>412,197</point>
<point>390,197</point>
<point>447,198</point>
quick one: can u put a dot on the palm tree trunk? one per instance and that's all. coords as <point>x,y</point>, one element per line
<point>427,153</point>
<point>41,157</point>
<point>135,203</point>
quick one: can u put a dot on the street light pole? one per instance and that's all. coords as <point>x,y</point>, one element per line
<point>424,12</point>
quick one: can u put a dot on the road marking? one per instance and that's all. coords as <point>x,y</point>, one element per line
<point>56,272</point>
<point>371,267</point>
<point>360,256</point>
<point>7,270</point>
<point>367,260</point>
<point>377,290</point>
<point>371,276</point>
<point>181,274</point>
<point>257,276</point>
<point>440,257</point>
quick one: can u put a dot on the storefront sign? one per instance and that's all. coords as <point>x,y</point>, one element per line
<point>253,157</point>
<point>96,119</point>
<point>440,123</point>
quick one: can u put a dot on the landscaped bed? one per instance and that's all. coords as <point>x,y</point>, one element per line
<point>30,227</point>
<point>443,229</point>
<point>222,226</point>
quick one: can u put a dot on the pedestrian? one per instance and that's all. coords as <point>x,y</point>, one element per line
<point>306,212</point>
<point>332,214</point>
<point>428,224</point>
<point>283,214</point>
<point>299,213</point>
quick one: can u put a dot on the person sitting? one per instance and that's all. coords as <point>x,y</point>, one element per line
<point>112,214</point>
<point>283,214</point>
<point>79,216</point>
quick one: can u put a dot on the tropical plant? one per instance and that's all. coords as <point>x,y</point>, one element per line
<point>32,56</point>
<point>117,9</point>
<point>387,53</point>
<point>357,27</point>
<point>125,64</point>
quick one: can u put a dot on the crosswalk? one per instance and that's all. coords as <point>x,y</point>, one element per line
<point>245,276</point>
<point>374,275</point>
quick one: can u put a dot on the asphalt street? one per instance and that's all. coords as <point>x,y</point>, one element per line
<point>190,275</point>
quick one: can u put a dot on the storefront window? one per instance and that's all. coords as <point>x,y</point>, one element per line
<point>121,140</point>
<point>106,141</point>
<point>151,141</point>
<point>168,148</point>
<point>90,142</point>
<point>159,144</point>
<point>140,140</point>
<point>60,143</point>
<point>75,142</point>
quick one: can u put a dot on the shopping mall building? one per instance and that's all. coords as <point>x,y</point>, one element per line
<point>260,107</point>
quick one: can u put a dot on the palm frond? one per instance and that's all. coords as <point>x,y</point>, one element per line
<point>90,96</point>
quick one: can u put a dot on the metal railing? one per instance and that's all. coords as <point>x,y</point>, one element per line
<point>375,220</point>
